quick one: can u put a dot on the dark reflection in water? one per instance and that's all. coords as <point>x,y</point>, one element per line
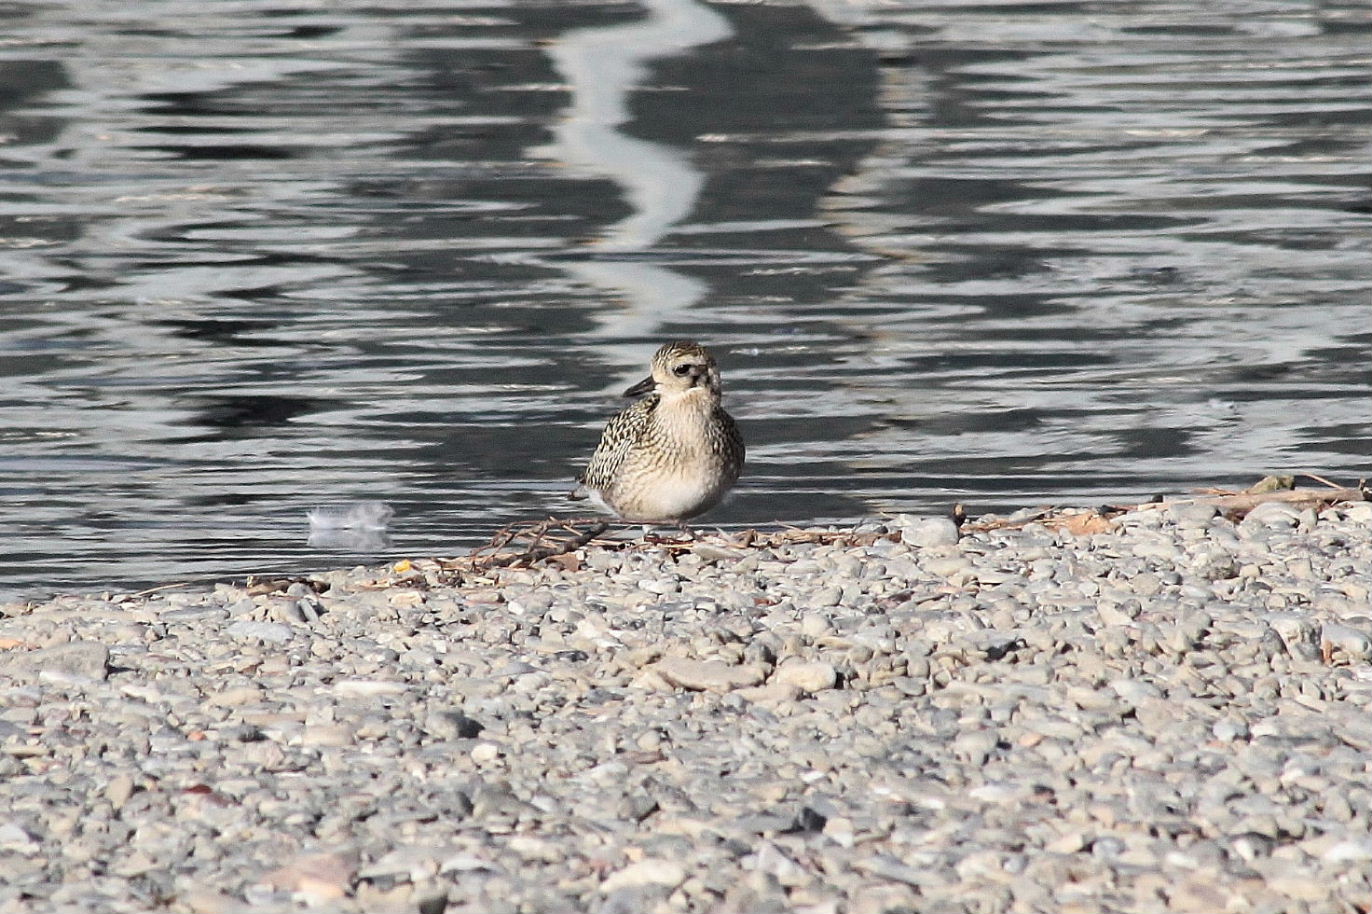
<point>256,258</point>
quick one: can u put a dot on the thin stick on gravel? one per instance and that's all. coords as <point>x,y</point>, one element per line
<point>540,545</point>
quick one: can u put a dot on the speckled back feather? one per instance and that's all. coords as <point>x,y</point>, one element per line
<point>621,435</point>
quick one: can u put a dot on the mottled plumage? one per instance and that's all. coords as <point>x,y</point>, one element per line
<point>674,453</point>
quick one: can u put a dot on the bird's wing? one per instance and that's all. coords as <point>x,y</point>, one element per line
<point>734,436</point>
<point>620,435</point>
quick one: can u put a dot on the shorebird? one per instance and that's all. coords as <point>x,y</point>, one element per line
<point>673,454</point>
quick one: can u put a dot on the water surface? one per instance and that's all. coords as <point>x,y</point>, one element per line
<point>258,257</point>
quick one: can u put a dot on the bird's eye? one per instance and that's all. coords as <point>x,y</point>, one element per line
<point>682,370</point>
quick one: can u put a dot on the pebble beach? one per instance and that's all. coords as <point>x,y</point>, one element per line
<point>1167,708</point>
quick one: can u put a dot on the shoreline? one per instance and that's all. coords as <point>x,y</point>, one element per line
<point>1166,708</point>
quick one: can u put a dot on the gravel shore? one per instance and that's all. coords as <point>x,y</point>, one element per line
<point>1167,710</point>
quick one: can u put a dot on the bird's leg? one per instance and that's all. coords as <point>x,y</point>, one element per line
<point>680,529</point>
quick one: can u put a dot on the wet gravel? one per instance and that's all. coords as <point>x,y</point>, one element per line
<point>1171,714</point>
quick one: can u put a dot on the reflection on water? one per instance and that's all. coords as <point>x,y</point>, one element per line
<point>256,259</point>
<point>601,66</point>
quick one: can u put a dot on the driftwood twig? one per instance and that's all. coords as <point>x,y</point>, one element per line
<point>1243,502</point>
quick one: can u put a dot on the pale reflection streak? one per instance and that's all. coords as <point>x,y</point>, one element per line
<point>601,67</point>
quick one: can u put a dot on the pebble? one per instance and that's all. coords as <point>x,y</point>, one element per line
<point>269,632</point>
<point>315,879</point>
<point>650,871</point>
<point>1355,643</point>
<point>1271,514</point>
<point>926,532</point>
<point>808,677</point>
<point>706,675</point>
<point>74,659</point>
<point>1173,714</point>
<point>1191,514</point>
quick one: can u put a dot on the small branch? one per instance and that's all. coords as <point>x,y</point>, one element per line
<point>1247,501</point>
<point>527,544</point>
<point>1321,479</point>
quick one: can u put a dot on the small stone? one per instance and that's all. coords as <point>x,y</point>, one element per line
<point>1145,584</point>
<point>648,871</point>
<point>707,552</point>
<point>368,688</point>
<point>269,632</point>
<point>452,725</point>
<point>953,567</point>
<point>1134,691</point>
<point>495,800</point>
<point>816,625</point>
<point>235,696</point>
<point>1297,633</point>
<point>707,675</point>
<point>1069,843</point>
<point>1191,514</point>
<point>1346,639</point>
<point>827,596</point>
<point>1200,892</point>
<point>1359,513</point>
<point>195,614</point>
<point>201,900</point>
<point>773,693</point>
<point>660,586</point>
<point>1300,886</point>
<point>1359,851</point>
<point>82,660</point>
<point>411,864</point>
<point>1228,729</point>
<point>809,677</point>
<point>1164,551</point>
<point>926,532</point>
<point>385,897</point>
<point>1271,514</point>
<point>975,746</point>
<point>317,878</point>
<point>118,790</point>
<point>17,840</point>
<point>1113,615</point>
<point>324,734</point>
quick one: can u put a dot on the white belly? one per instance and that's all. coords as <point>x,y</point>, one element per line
<point>664,496</point>
<point>677,496</point>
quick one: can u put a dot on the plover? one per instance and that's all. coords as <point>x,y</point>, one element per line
<point>673,454</point>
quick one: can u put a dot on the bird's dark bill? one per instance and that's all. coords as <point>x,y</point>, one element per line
<point>641,388</point>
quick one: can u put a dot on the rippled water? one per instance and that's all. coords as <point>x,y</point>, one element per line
<point>259,257</point>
